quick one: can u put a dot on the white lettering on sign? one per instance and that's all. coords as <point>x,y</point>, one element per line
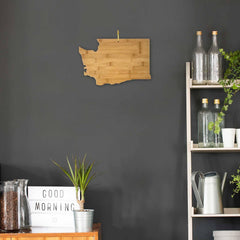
<point>52,206</point>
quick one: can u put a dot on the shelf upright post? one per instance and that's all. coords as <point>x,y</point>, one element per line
<point>189,154</point>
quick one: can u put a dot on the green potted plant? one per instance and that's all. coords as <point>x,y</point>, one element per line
<point>80,175</point>
<point>236,181</point>
<point>231,85</point>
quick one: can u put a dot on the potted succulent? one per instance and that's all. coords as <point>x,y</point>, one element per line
<point>231,85</point>
<point>80,175</point>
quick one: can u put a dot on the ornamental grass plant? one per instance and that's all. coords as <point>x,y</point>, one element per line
<point>81,174</point>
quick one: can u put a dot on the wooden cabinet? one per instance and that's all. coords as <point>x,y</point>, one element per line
<point>94,235</point>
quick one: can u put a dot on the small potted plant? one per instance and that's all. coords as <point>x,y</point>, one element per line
<point>231,86</point>
<point>80,176</point>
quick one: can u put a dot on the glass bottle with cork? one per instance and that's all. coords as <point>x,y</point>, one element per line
<point>199,62</point>
<point>218,142</point>
<point>214,61</point>
<point>205,136</point>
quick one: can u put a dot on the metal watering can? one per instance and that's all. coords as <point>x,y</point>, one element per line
<point>209,192</point>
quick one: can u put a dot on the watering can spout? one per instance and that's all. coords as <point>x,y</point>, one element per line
<point>223,181</point>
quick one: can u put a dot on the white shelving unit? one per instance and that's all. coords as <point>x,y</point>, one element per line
<point>193,148</point>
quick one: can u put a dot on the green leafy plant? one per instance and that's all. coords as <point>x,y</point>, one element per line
<point>230,85</point>
<point>236,181</point>
<point>80,176</point>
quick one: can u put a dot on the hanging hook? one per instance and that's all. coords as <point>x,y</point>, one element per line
<point>118,35</point>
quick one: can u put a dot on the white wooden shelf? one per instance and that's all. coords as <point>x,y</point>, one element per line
<point>228,212</point>
<point>200,86</point>
<point>203,86</point>
<point>195,148</point>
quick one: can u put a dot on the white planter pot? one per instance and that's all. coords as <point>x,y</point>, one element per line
<point>228,135</point>
<point>226,235</point>
<point>83,220</point>
<point>238,137</point>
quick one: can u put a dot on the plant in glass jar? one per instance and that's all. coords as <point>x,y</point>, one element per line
<point>80,175</point>
<point>231,86</point>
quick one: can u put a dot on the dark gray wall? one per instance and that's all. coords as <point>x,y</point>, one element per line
<point>135,132</point>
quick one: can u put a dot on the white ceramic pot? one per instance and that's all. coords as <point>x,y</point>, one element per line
<point>238,137</point>
<point>226,235</point>
<point>83,220</point>
<point>228,135</point>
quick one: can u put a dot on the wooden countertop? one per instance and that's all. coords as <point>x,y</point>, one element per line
<point>52,232</point>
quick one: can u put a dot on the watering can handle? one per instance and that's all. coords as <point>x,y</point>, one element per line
<point>195,189</point>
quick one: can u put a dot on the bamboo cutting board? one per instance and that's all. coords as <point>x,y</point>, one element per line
<point>117,61</point>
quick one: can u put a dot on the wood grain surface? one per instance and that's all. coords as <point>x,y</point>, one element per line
<point>94,235</point>
<point>116,61</point>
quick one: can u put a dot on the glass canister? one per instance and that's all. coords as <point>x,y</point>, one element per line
<point>24,209</point>
<point>9,206</point>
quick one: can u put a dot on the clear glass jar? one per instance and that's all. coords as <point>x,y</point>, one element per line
<point>24,209</point>
<point>199,62</point>
<point>9,206</point>
<point>205,116</point>
<point>214,61</point>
